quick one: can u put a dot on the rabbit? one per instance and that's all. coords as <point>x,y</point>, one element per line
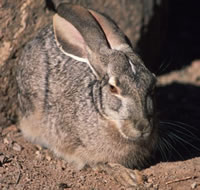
<point>85,94</point>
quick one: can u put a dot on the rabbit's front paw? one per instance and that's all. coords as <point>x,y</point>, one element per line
<point>126,177</point>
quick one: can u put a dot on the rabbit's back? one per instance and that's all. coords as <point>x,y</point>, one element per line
<point>47,75</point>
<point>54,91</point>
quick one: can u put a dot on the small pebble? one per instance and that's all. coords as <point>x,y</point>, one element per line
<point>39,155</point>
<point>82,178</point>
<point>6,141</point>
<point>64,186</point>
<point>5,188</point>
<point>156,186</point>
<point>194,185</point>
<point>17,147</point>
<point>150,180</point>
<point>61,165</point>
<point>149,185</point>
<point>37,152</point>
<point>3,159</point>
<point>38,147</point>
<point>48,158</point>
<point>105,181</point>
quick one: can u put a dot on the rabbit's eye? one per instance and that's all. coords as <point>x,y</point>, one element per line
<point>113,89</point>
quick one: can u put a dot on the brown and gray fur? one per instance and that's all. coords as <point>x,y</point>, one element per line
<point>85,94</point>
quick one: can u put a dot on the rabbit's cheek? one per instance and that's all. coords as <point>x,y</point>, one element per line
<point>114,104</point>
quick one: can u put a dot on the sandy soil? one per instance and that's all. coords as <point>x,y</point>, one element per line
<point>26,166</point>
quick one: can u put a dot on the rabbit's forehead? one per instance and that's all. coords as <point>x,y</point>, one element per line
<point>130,71</point>
<point>119,63</point>
<point>128,68</point>
<point>123,66</point>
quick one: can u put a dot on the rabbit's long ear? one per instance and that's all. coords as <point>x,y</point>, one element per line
<point>69,39</point>
<point>114,35</point>
<point>79,35</point>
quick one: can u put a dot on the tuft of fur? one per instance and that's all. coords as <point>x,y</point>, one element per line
<point>89,102</point>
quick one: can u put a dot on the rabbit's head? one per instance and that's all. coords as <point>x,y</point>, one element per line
<point>125,85</point>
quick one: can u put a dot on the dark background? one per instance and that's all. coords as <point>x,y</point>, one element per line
<point>179,103</point>
<point>183,36</point>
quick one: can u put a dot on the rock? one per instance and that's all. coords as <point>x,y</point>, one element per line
<point>64,186</point>
<point>48,157</point>
<point>39,156</point>
<point>6,141</point>
<point>3,159</point>
<point>194,185</point>
<point>16,147</point>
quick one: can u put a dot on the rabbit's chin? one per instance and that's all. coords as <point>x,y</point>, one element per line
<point>134,132</point>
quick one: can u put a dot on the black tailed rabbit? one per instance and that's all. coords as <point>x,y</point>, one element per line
<point>85,94</point>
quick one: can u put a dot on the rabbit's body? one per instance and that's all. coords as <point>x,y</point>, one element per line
<point>67,108</point>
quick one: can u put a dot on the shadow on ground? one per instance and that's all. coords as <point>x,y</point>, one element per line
<point>179,113</point>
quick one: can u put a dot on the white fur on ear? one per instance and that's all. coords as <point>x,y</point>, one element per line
<point>69,39</point>
<point>78,59</point>
<point>132,67</point>
<point>67,35</point>
<point>71,55</point>
<point>93,70</point>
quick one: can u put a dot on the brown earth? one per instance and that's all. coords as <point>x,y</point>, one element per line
<point>26,166</point>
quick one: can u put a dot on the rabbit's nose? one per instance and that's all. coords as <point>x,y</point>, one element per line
<point>143,125</point>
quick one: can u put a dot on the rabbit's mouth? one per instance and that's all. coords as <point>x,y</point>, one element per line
<point>136,131</point>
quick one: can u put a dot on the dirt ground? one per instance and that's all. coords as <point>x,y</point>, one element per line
<point>26,166</point>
